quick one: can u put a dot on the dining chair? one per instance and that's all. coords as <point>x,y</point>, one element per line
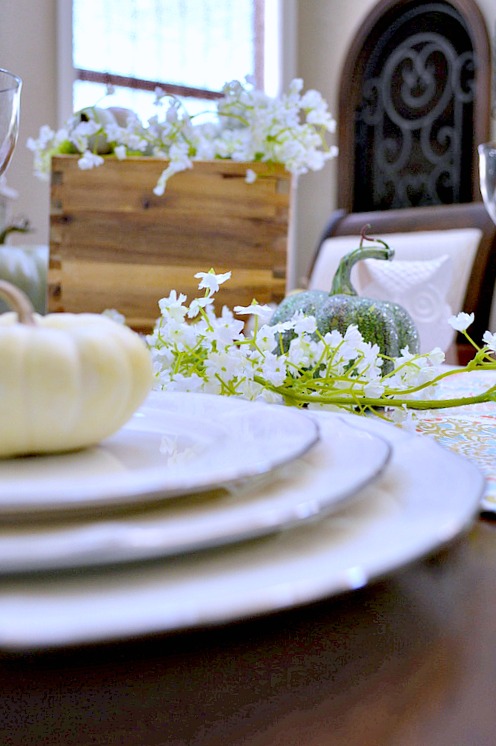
<point>414,103</point>
<point>444,263</point>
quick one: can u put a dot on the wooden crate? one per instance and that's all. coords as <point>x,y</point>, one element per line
<point>115,244</point>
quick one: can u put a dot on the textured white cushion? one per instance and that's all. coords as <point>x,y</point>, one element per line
<point>421,287</point>
<point>445,280</point>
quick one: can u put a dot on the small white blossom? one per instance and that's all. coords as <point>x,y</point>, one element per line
<point>255,309</point>
<point>173,306</point>
<point>436,356</point>
<point>462,321</point>
<point>193,349</point>
<point>210,281</point>
<point>402,416</point>
<point>274,369</point>
<point>247,125</point>
<point>197,304</point>
<point>111,313</point>
<point>192,382</point>
<point>374,389</point>
<point>489,340</point>
<point>89,160</point>
<point>304,324</point>
<point>251,176</point>
<point>120,152</point>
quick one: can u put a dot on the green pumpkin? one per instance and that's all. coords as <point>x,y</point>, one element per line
<point>383,323</point>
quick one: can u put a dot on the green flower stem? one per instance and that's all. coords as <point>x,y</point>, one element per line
<point>348,399</point>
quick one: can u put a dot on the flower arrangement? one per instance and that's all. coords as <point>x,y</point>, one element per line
<point>247,126</point>
<point>193,349</point>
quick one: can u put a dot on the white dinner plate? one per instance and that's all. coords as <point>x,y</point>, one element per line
<point>332,472</point>
<point>173,445</point>
<point>424,499</point>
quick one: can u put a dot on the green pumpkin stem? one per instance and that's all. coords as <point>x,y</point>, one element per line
<point>20,227</point>
<point>19,302</point>
<point>341,284</point>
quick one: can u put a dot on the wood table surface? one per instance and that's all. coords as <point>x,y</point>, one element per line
<point>407,661</point>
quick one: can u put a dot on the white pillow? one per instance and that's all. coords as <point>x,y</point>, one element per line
<point>460,244</point>
<point>411,249</point>
<point>421,287</point>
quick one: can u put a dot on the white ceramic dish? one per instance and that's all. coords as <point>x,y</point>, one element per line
<point>173,445</point>
<point>332,472</point>
<point>424,499</point>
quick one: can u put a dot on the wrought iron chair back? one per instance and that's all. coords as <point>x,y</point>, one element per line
<point>414,104</point>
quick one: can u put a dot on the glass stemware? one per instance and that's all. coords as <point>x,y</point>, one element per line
<point>487,176</point>
<point>10,94</point>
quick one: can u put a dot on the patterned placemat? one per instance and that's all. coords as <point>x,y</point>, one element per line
<point>469,430</point>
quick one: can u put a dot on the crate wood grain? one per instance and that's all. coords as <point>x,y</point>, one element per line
<point>115,244</point>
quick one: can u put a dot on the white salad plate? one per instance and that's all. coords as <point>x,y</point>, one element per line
<point>425,497</point>
<point>334,471</point>
<point>173,445</point>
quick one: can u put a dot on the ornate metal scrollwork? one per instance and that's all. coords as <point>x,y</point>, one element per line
<point>413,124</point>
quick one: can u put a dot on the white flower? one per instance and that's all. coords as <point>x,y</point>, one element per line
<point>374,389</point>
<point>159,93</point>
<point>303,352</point>
<point>489,340</point>
<point>462,321</point>
<point>266,339</point>
<point>248,125</point>
<point>197,304</point>
<point>304,324</point>
<point>274,369</point>
<point>193,349</point>
<point>333,338</point>
<point>225,365</point>
<point>436,356</point>
<point>226,329</point>
<point>255,309</point>
<point>251,176</point>
<point>210,281</point>
<point>89,160</point>
<point>402,416</point>
<point>112,313</point>
<point>173,306</point>
<point>120,152</point>
<point>192,382</point>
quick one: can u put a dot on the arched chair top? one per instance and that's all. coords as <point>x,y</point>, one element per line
<point>414,103</point>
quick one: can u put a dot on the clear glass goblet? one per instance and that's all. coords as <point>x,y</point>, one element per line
<point>487,176</point>
<point>10,96</point>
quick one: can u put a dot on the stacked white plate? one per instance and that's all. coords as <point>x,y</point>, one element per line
<point>206,509</point>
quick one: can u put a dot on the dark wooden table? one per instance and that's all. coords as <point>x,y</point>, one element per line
<point>408,661</point>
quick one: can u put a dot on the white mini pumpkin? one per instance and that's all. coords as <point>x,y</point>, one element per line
<point>67,381</point>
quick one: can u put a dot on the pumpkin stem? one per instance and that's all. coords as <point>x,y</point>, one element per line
<point>19,227</point>
<point>341,284</point>
<point>19,302</point>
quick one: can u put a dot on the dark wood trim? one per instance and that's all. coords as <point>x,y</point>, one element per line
<point>349,91</point>
<point>124,81</point>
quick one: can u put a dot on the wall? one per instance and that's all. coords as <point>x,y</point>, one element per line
<point>28,46</point>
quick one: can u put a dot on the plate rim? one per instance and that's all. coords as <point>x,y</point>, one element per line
<point>270,596</point>
<point>130,539</point>
<point>131,494</point>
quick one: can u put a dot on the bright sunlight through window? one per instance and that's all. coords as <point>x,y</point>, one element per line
<point>189,48</point>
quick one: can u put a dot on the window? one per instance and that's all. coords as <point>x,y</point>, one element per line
<point>189,48</point>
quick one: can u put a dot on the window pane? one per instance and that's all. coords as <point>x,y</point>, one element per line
<point>198,43</point>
